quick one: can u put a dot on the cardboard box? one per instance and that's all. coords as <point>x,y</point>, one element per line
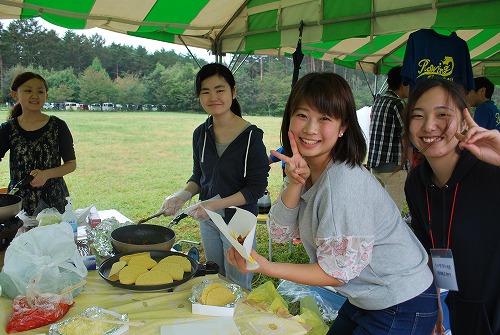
<point>94,218</point>
<point>212,310</point>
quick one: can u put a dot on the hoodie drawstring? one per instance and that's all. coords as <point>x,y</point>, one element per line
<point>447,243</point>
<point>246,154</point>
<point>203,150</point>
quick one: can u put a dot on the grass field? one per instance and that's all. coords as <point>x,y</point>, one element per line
<point>130,161</point>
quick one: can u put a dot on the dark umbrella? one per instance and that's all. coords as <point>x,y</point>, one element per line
<point>297,56</point>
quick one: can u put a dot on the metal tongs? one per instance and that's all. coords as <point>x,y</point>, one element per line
<point>173,222</point>
<point>25,181</point>
<point>150,217</point>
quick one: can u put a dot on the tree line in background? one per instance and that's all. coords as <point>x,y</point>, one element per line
<point>82,69</point>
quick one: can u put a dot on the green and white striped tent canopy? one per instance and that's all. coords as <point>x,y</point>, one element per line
<point>363,34</point>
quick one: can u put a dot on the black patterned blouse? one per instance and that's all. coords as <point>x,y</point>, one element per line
<point>42,149</point>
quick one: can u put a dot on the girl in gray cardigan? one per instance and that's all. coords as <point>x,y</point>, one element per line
<point>349,225</point>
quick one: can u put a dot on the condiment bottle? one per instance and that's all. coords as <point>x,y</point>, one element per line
<point>69,215</point>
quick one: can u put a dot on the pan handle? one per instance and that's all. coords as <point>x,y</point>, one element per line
<point>177,219</point>
<point>208,268</point>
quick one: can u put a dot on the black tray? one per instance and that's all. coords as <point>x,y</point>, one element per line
<point>197,270</point>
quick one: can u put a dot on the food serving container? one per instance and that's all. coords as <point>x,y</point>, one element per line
<point>199,308</point>
<point>93,313</point>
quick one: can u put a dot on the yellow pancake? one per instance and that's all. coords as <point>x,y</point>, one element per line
<point>129,274</point>
<point>153,278</point>
<point>115,269</point>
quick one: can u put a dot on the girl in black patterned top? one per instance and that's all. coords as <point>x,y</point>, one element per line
<point>38,143</point>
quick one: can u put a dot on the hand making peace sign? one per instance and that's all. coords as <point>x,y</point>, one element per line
<point>483,143</point>
<point>296,167</point>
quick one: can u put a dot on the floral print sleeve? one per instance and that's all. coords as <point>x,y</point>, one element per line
<point>344,257</point>
<point>281,233</point>
<point>282,222</point>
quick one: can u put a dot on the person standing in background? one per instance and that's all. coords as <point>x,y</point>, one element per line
<point>37,144</point>
<point>387,153</point>
<point>486,114</point>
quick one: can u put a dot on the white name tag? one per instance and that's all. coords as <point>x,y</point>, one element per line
<point>444,269</point>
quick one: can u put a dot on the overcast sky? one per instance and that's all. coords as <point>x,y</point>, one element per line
<point>110,37</point>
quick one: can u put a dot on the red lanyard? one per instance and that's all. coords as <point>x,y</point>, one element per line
<point>451,216</point>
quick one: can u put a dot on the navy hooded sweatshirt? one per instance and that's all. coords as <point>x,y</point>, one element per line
<point>243,167</point>
<point>474,237</point>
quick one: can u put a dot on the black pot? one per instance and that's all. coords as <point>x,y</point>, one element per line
<point>142,237</point>
<point>10,205</point>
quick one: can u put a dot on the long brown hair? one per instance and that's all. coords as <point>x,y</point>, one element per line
<point>330,94</point>
<point>20,79</point>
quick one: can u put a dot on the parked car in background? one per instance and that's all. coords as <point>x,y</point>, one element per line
<point>108,106</point>
<point>83,107</point>
<point>95,107</point>
<point>58,106</point>
<point>131,107</point>
<point>149,107</point>
<point>70,106</point>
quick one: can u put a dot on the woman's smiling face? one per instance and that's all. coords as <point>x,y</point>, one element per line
<point>216,96</point>
<point>315,133</point>
<point>31,95</point>
<point>434,121</point>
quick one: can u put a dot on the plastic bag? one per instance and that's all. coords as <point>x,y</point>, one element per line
<point>48,216</point>
<point>48,253</point>
<point>266,297</point>
<point>313,320</point>
<point>294,292</point>
<point>37,309</point>
<point>265,312</point>
<point>28,221</point>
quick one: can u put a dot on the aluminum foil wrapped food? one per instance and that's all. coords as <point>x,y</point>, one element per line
<point>92,321</point>
<point>99,237</point>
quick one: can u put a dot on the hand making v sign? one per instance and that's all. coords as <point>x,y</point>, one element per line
<point>296,167</point>
<point>483,143</point>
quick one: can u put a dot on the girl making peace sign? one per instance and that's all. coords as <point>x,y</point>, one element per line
<point>350,227</point>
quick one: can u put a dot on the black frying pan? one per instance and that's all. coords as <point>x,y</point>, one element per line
<point>197,270</point>
<point>11,204</point>
<point>142,237</point>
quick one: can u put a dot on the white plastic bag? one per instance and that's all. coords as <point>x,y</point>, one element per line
<point>48,252</point>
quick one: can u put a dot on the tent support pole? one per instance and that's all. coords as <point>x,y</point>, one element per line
<point>241,63</point>
<point>192,56</point>
<point>366,79</point>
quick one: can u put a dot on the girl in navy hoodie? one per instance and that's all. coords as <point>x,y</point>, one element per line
<point>230,165</point>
